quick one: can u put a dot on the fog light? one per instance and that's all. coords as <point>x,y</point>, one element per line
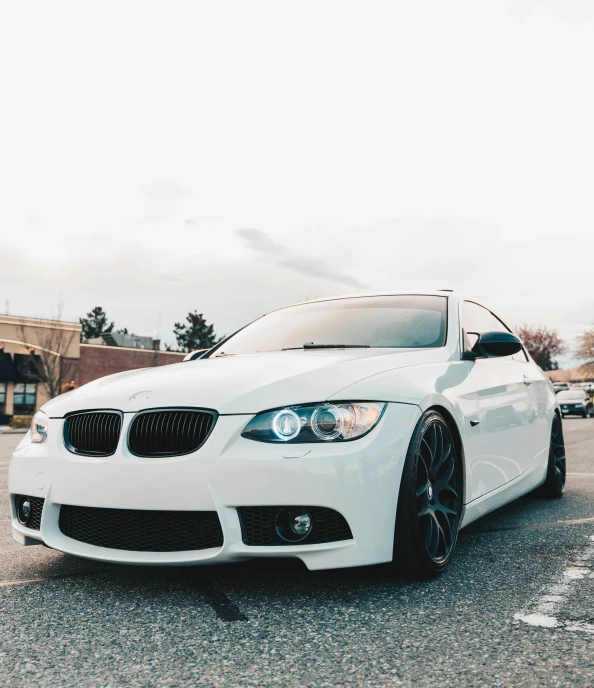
<point>294,525</point>
<point>24,511</point>
<point>300,524</point>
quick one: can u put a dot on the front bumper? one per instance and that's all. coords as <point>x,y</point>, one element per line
<point>571,410</point>
<point>358,479</point>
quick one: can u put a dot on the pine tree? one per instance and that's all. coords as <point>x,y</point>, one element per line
<point>195,333</point>
<point>95,324</point>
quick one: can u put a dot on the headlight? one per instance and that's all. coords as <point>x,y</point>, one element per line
<point>315,422</point>
<point>39,425</point>
<point>578,405</point>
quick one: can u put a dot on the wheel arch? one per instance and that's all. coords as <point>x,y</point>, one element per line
<point>455,430</point>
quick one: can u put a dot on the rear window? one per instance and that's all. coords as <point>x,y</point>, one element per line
<point>571,394</point>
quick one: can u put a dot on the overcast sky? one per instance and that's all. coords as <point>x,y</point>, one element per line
<point>228,157</point>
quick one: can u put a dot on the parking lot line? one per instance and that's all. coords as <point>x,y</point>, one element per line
<point>546,608</point>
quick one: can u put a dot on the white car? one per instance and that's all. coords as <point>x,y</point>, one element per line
<point>344,432</point>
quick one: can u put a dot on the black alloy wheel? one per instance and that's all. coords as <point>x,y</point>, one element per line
<point>429,502</point>
<point>554,483</point>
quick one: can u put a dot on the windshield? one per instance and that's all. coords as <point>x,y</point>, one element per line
<point>571,394</point>
<point>370,321</point>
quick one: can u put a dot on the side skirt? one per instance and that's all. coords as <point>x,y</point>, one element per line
<point>503,495</point>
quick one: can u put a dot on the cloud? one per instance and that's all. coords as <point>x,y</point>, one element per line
<point>143,292</point>
<point>162,200</point>
<point>259,241</point>
<point>198,222</point>
<point>572,11</point>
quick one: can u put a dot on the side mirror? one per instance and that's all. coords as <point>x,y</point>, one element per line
<point>493,345</point>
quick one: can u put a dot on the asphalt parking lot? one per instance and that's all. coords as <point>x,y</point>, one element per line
<point>515,609</point>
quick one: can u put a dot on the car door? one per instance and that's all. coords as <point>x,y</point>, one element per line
<point>510,436</point>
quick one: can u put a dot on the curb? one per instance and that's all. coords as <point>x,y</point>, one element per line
<point>14,431</point>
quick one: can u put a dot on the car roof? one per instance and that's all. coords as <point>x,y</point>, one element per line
<point>360,295</point>
<point>451,293</point>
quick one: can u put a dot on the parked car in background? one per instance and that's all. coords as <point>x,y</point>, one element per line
<point>560,386</point>
<point>575,402</point>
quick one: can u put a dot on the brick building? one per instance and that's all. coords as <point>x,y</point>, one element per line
<point>100,360</point>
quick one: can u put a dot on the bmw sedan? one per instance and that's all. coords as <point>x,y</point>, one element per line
<point>344,432</point>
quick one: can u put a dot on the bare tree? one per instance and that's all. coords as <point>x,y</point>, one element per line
<point>48,362</point>
<point>544,345</point>
<point>585,351</point>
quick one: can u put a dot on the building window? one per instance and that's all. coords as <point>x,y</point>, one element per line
<point>2,393</point>
<point>25,397</point>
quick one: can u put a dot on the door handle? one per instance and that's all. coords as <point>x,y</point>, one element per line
<point>527,381</point>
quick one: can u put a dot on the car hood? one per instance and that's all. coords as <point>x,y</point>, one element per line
<point>240,384</point>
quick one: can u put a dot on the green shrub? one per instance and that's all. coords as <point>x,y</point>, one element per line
<point>19,422</point>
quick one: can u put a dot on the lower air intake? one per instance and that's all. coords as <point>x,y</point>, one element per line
<point>34,520</point>
<point>259,525</point>
<point>142,531</point>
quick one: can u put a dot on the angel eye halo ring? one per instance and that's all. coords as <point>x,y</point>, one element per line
<point>323,422</point>
<point>327,422</point>
<point>286,425</point>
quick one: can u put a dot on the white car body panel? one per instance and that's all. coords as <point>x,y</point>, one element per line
<point>242,384</point>
<point>505,455</point>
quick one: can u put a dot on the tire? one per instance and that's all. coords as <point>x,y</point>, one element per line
<point>554,484</point>
<point>429,501</point>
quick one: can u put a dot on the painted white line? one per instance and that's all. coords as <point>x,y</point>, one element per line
<point>24,580</point>
<point>545,610</point>
<point>581,475</point>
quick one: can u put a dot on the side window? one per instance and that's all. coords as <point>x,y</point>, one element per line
<point>476,319</point>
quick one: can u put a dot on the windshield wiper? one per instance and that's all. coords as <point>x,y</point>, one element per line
<point>311,345</point>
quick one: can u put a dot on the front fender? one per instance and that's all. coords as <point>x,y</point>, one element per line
<point>447,384</point>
